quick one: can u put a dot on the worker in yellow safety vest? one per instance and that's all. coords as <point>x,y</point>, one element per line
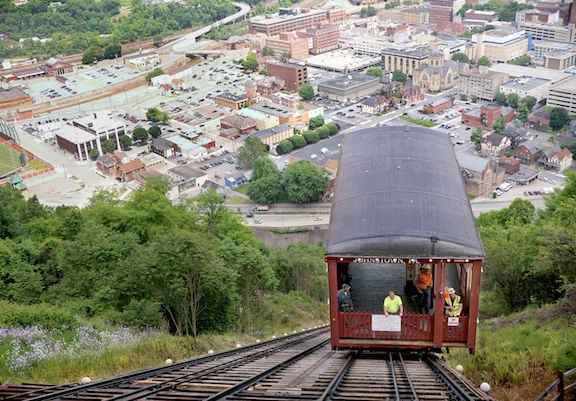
<point>452,306</point>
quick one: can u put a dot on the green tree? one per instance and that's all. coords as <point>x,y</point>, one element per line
<point>125,142</point>
<point>311,136</point>
<point>323,132</point>
<point>303,182</point>
<point>266,51</point>
<point>522,60</point>
<point>375,72</point>
<point>93,153</point>
<point>297,141</point>
<point>298,268</point>
<point>154,73</point>
<point>266,190</point>
<point>523,113</point>
<point>253,149</point>
<point>499,125</point>
<point>558,118</point>
<point>286,55</point>
<point>529,101</point>
<point>140,134</point>
<point>500,98</point>
<point>316,122</point>
<point>112,51</point>
<point>250,62</point>
<point>473,98</point>
<point>513,100</point>
<point>463,97</point>
<point>369,11</point>
<point>476,136</point>
<point>485,61</point>
<point>333,127</point>
<point>461,57</point>
<point>109,146</point>
<point>155,115</point>
<point>264,167</point>
<point>155,131</point>
<point>464,8</point>
<point>284,147</point>
<point>399,76</point>
<point>92,55</point>
<point>306,92</point>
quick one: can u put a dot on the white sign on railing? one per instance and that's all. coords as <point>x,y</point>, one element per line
<point>386,323</point>
<point>453,321</point>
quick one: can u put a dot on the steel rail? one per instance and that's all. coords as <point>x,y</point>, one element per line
<point>147,373</point>
<point>458,388</point>
<point>394,380</point>
<point>335,382</point>
<point>256,378</point>
<point>169,384</point>
<point>412,389</point>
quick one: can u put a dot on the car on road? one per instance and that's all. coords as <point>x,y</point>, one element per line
<point>257,221</point>
<point>250,215</point>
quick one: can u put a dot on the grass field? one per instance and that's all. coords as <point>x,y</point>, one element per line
<point>9,158</point>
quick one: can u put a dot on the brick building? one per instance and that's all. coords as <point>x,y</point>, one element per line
<point>482,84</point>
<point>438,105</point>
<point>487,115</point>
<point>289,43</point>
<point>293,74</point>
<point>231,101</point>
<point>287,20</point>
<point>323,39</point>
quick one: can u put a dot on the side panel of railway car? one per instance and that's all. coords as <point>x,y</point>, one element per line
<point>401,206</point>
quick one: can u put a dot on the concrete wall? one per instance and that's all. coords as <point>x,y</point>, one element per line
<point>318,235</point>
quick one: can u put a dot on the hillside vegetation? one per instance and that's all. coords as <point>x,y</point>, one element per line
<point>76,25</point>
<point>144,274</point>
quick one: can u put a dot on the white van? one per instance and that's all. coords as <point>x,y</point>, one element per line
<point>506,186</point>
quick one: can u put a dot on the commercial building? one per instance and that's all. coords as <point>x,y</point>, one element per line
<point>439,105</point>
<point>441,11</point>
<point>500,46</point>
<point>563,94</point>
<point>82,135</point>
<point>263,120</point>
<point>558,33</point>
<point>527,86</point>
<point>482,84</point>
<point>14,98</point>
<point>343,60</point>
<point>349,88</point>
<point>321,39</point>
<point>231,101</point>
<point>560,60</point>
<point>416,16</point>
<point>142,61</point>
<point>274,135</point>
<point>284,114</point>
<point>293,74</point>
<point>406,61</point>
<point>289,43</point>
<point>287,21</point>
<point>537,16</point>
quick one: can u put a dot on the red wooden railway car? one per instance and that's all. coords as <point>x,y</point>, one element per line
<point>400,205</point>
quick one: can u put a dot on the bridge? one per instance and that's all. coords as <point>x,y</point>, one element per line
<point>188,43</point>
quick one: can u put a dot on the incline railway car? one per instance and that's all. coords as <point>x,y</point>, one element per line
<point>400,207</point>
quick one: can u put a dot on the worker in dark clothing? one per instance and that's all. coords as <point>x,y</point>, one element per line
<point>345,299</point>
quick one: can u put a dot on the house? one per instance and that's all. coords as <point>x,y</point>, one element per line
<point>510,165</point>
<point>106,164</point>
<point>166,90</point>
<point>377,104</point>
<point>185,178</point>
<point>164,148</point>
<point>528,152</point>
<point>494,145</point>
<point>481,175</point>
<point>555,159</point>
<point>234,180</point>
<point>126,171</point>
<point>538,119</point>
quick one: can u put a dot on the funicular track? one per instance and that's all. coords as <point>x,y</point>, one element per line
<point>297,367</point>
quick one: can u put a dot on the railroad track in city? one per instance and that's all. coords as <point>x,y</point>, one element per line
<point>296,367</point>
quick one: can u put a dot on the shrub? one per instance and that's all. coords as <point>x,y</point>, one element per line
<point>47,316</point>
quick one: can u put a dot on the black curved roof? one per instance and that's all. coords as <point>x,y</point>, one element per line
<point>399,193</point>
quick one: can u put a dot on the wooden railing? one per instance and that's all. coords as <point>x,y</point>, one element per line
<point>358,325</point>
<point>560,386</point>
